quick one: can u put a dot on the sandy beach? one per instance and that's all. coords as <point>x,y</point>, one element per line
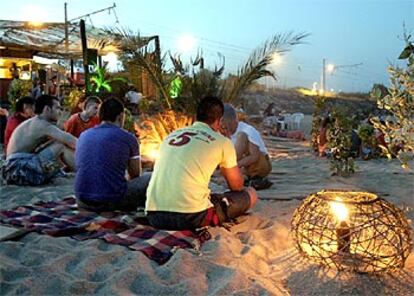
<point>255,257</point>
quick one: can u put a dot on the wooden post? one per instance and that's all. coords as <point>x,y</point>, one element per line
<point>66,29</point>
<point>85,55</point>
<point>158,51</point>
<point>158,62</point>
<point>71,72</point>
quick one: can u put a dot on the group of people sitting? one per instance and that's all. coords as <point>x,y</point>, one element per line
<point>358,146</point>
<point>107,161</point>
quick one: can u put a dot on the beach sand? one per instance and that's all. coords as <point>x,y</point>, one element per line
<point>255,257</point>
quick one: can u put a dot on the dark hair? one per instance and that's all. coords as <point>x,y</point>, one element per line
<point>81,99</point>
<point>25,100</point>
<point>92,99</point>
<point>209,110</point>
<point>43,101</point>
<point>110,109</point>
<point>327,120</point>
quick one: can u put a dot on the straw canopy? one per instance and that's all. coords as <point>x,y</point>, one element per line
<point>48,39</point>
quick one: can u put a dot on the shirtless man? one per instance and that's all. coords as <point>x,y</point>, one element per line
<point>38,148</point>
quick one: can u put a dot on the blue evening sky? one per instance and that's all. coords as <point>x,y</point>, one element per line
<point>344,32</point>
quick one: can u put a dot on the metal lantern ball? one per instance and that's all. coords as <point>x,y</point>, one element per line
<point>356,231</point>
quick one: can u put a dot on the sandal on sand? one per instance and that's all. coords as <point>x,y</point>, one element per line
<point>259,183</point>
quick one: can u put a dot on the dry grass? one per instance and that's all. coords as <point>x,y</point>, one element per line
<point>152,130</point>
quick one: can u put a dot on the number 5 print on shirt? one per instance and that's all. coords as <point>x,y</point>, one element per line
<point>182,139</point>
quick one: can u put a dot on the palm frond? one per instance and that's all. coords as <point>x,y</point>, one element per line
<point>106,86</point>
<point>131,46</point>
<point>219,71</point>
<point>177,63</point>
<point>199,60</point>
<point>260,58</point>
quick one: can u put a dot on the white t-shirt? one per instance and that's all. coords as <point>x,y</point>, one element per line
<point>252,135</point>
<point>133,97</point>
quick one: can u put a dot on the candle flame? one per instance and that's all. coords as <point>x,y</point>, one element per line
<point>339,209</point>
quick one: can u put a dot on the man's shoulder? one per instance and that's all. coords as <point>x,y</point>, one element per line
<point>95,120</point>
<point>32,122</point>
<point>99,130</point>
<point>14,119</point>
<point>36,126</point>
<point>245,125</point>
<point>74,116</point>
<point>247,128</point>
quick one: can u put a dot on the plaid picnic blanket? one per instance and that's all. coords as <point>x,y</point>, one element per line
<point>63,218</point>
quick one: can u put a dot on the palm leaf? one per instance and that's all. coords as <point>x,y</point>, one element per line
<point>130,45</point>
<point>106,86</point>
<point>178,64</point>
<point>219,71</point>
<point>260,58</point>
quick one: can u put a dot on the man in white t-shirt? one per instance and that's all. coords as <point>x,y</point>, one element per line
<point>251,151</point>
<point>178,196</point>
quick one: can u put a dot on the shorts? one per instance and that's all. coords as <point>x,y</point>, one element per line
<point>226,207</point>
<point>261,168</point>
<point>30,169</point>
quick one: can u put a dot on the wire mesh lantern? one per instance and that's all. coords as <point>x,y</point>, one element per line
<point>356,231</point>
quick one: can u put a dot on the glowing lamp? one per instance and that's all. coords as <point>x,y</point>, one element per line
<point>330,68</point>
<point>186,43</point>
<point>35,24</point>
<point>342,229</point>
<point>355,231</point>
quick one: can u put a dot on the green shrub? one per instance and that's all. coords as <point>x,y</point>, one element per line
<point>399,102</point>
<point>17,89</point>
<point>340,139</point>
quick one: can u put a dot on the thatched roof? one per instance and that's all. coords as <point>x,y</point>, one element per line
<point>48,39</point>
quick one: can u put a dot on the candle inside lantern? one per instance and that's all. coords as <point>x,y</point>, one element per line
<point>343,232</point>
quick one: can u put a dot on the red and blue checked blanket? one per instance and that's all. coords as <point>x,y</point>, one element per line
<point>64,218</point>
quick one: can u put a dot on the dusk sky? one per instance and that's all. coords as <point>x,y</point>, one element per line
<point>343,32</point>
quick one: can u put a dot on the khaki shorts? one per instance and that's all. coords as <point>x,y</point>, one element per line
<point>261,168</point>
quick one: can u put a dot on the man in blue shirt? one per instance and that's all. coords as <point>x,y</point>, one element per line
<point>103,155</point>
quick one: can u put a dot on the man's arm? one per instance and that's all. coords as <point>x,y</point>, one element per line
<point>58,135</point>
<point>134,168</point>
<point>233,177</point>
<point>252,157</point>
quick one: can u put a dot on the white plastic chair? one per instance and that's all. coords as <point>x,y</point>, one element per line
<point>286,121</point>
<point>270,121</point>
<point>296,119</point>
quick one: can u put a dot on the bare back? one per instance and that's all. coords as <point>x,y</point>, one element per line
<point>35,132</point>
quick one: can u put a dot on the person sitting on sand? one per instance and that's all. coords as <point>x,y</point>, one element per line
<point>178,196</point>
<point>252,155</point>
<point>133,97</point>
<point>38,148</point>
<point>323,137</point>
<point>24,110</point>
<point>79,122</point>
<point>103,154</point>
